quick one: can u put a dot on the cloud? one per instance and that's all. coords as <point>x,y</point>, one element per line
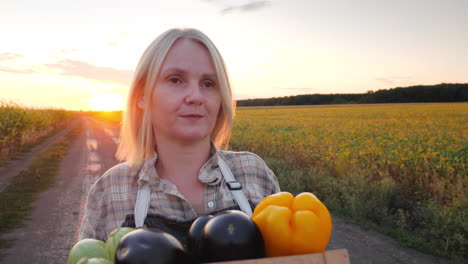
<point>9,63</point>
<point>252,6</point>
<point>395,80</point>
<point>11,60</point>
<point>385,80</point>
<point>17,71</point>
<point>10,56</point>
<point>240,6</point>
<point>86,70</point>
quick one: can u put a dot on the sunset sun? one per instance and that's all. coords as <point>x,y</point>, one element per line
<point>106,102</point>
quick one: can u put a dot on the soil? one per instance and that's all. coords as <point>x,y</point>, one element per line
<point>53,228</point>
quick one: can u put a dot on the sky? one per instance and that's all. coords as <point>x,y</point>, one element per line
<point>80,55</point>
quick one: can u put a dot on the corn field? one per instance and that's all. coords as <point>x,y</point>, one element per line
<point>20,126</point>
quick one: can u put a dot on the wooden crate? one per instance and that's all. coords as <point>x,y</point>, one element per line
<point>337,256</point>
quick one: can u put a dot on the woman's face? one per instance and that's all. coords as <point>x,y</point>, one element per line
<point>186,99</point>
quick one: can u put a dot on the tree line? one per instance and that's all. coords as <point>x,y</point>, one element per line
<point>444,92</point>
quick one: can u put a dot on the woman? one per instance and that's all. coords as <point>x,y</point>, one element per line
<point>179,112</point>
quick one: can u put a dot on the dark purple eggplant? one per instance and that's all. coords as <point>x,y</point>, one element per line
<point>194,237</point>
<point>231,235</point>
<point>150,246</point>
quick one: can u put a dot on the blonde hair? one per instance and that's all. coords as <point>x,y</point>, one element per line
<point>136,137</point>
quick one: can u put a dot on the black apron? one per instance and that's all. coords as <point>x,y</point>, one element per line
<point>179,228</point>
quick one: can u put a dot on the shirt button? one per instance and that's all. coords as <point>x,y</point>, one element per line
<point>210,204</point>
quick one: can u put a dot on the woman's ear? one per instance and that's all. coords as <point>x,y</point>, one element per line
<point>141,103</point>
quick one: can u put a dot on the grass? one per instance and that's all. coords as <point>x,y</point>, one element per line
<point>16,201</point>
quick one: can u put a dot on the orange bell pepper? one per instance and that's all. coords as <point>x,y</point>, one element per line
<point>293,225</point>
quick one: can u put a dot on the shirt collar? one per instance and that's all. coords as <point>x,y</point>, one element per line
<point>148,168</point>
<point>214,156</point>
<point>209,174</point>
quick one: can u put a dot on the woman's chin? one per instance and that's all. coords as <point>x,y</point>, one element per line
<point>192,137</point>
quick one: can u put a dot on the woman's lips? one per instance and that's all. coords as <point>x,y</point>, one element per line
<point>192,117</point>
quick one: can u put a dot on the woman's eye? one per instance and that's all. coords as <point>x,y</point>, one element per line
<point>174,80</point>
<point>208,84</point>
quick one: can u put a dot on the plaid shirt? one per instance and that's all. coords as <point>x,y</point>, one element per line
<point>113,196</point>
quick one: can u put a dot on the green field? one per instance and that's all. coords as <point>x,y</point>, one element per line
<point>401,169</point>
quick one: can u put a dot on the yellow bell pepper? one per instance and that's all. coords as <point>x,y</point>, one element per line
<point>293,225</point>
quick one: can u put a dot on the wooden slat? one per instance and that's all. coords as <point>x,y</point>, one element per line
<point>337,256</point>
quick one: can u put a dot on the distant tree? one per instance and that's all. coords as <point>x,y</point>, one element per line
<point>444,92</point>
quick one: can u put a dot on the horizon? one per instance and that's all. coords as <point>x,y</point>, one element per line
<point>74,56</point>
<point>11,103</point>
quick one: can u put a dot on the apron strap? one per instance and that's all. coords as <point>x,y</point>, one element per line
<point>142,204</point>
<point>235,187</point>
<point>143,195</point>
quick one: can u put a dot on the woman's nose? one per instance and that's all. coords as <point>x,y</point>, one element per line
<point>194,93</point>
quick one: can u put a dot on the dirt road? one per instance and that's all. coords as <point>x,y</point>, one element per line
<point>54,223</point>
<point>52,230</point>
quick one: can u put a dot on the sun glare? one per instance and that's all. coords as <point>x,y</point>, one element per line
<point>106,102</point>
